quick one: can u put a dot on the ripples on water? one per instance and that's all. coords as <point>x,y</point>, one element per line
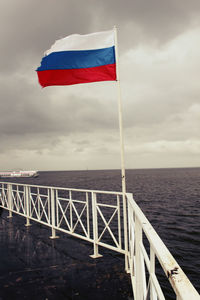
<point>170,198</point>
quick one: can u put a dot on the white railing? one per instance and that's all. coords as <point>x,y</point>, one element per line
<point>106,219</point>
<point>145,247</point>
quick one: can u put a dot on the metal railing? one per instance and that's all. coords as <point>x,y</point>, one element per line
<point>106,219</point>
<point>142,260</point>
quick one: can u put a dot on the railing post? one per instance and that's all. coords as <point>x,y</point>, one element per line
<point>153,295</point>
<point>10,200</point>
<point>95,226</point>
<point>125,232</point>
<point>119,221</point>
<point>53,214</point>
<point>131,239</point>
<point>27,203</point>
<point>1,189</point>
<point>70,210</point>
<point>138,262</point>
<point>88,215</point>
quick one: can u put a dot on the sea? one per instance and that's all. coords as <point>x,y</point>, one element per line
<point>170,199</point>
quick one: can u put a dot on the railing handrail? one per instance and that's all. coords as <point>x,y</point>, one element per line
<point>63,188</point>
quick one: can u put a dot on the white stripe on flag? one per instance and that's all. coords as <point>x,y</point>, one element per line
<point>90,41</point>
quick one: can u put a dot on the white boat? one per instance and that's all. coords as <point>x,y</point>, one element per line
<point>12,174</point>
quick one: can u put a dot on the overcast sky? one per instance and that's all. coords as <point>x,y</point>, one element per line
<point>76,127</point>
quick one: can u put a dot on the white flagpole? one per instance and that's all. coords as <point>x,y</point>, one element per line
<point>123,177</point>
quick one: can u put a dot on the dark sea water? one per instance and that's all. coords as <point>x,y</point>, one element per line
<point>170,198</point>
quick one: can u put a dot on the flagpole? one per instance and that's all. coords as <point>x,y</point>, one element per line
<point>123,176</point>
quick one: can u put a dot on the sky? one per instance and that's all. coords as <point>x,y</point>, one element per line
<point>76,127</point>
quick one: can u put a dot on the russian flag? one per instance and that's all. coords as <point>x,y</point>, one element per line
<point>79,59</point>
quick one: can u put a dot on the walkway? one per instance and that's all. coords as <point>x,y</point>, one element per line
<point>32,266</point>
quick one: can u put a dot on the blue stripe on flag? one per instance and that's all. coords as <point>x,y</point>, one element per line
<point>78,59</point>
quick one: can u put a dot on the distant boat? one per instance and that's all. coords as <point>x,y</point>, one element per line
<point>11,174</point>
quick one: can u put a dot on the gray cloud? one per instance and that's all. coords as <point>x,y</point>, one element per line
<point>160,91</point>
<point>27,28</point>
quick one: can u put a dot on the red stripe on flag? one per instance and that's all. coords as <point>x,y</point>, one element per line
<point>75,76</point>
